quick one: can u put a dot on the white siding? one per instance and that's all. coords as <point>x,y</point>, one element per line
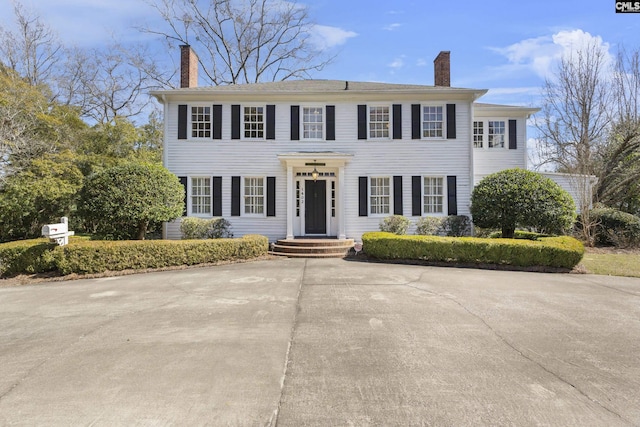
<point>404,157</point>
<point>489,160</point>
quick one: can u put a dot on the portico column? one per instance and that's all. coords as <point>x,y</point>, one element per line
<point>290,203</point>
<point>341,207</point>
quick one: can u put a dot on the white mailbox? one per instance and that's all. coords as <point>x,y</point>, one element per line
<point>58,232</point>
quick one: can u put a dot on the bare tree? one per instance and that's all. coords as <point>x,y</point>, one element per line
<point>33,50</point>
<point>242,41</point>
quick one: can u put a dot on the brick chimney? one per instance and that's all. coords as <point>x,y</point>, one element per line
<point>188,67</point>
<point>442,69</point>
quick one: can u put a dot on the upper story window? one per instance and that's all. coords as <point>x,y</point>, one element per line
<point>201,196</point>
<point>496,136</point>
<point>380,199</point>
<point>379,122</point>
<point>433,195</point>
<point>312,123</point>
<point>254,122</point>
<point>254,196</point>
<point>432,121</point>
<point>201,122</point>
<point>478,134</point>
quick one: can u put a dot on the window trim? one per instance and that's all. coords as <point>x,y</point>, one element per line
<point>485,133</point>
<point>191,196</point>
<point>243,197</point>
<point>444,194</point>
<point>389,122</point>
<point>370,195</point>
<point>443,137</point>
<point>264,122</point>
<point>324,122</point>
<point>482,134</point>
<point>190,121</point>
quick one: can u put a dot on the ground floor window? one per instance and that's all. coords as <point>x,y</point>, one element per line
<point>380,196</point>
<point>201,196</point>
<point>433,195</point>
<point>254,196</point>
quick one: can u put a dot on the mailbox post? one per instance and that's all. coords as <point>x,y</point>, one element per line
<point>58,233</point>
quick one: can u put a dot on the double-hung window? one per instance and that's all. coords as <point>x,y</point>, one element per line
<point>497,134</point>
<point>433,195</point>
<point>201,196</point>
<point>254,122</point>
<point>312,123</point>
<point>478,134</point>
<point>254,196</point>
<point>432,121</point>
<point>379,122</point>
<point>380,196</point>
<point>201,122</point>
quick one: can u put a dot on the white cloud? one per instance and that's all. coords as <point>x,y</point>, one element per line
<point>392,27</point>
<point>326,37</point>
<point>397,63</point>
<point>421,62</point>
<point>540,54</point>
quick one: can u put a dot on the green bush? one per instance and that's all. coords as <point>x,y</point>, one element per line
<point>520,198</point>
<point>200,228</point>
<point>457,226</point>
<point>26,256</point>
<point>100,256</point>
<point>519,234</point>
<point>616,228</point>
<point>396,224</point>
<point>429,226</point>
<point>563,252</point>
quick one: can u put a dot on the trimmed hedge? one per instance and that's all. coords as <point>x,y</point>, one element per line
<point>562,252</point>
<point>616,228</point>
<point>87,256</point>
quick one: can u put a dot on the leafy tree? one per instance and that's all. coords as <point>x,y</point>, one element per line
<point>521,198</point>
<point>38,195</point>
<point>123,201</point>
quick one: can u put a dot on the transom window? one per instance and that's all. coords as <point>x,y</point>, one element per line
<point>254,195</point>
<point>201,122</point>
<point>496,136</point>
<point>312,122</point>
<point>379,200</point>
<point>201,196</point>
<point>478,134</point>
<point>378,122</point>
<point>433,195</point>
<point>254,122</point>
<point>432,121</point>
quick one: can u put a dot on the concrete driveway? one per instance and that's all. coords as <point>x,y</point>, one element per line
<point>321,343</point>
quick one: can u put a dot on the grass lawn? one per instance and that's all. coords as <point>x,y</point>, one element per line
<point>612,262</point>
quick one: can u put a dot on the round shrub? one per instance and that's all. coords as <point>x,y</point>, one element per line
<point>429,226</point>
<point>457,226</point>
<point>200,228</point>
<point>520,198</point>
<point>616,228</point>
<point>396,224</point>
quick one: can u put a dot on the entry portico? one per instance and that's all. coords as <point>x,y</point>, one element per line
<point>315,201</point>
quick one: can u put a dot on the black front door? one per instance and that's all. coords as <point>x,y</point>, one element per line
<point>315,207</point>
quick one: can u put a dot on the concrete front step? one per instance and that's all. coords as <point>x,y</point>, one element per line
<point>312,248</point>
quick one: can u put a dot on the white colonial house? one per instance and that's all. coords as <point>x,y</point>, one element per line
<point>332,158</point>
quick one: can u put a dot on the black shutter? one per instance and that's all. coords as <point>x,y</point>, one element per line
<point>217,122</point>
<point>452,198</point>
<point>271,196</point>
<point>331,122</point>
<point>363,182</point>
<point>235,196</point>
<point>295,122</point>
<point>362,122</point>
<point>182,122</point>
<point>271,122</point>
<point>416,195</point>
<point>183,181</point>
<point>397,121</point>
<point>217,196</point>
<point>451,121</point>
<point>397,195</point>
<point>235,122</point>
<point>513,132</point>
<point>415,121</point>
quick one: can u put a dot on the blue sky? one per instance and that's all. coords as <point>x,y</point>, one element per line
<point>508,47</point>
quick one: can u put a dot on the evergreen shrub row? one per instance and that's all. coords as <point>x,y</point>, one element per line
<point>561,252</point>
<point>91,256</point>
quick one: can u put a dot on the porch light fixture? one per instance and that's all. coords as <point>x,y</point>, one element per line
<point>315,174</point>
